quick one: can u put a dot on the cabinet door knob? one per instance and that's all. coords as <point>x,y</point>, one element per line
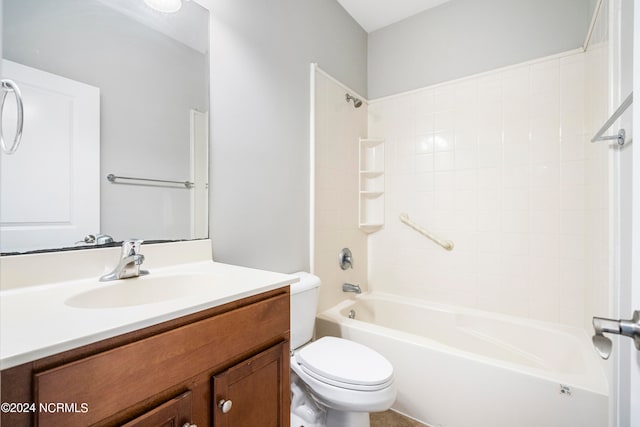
<point>189,425</point>
<point>225,405</point>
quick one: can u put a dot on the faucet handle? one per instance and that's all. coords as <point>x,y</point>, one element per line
<point>96,239</point>
<point>131,247</point>
<point>345,259</point>
<point>629,328</point>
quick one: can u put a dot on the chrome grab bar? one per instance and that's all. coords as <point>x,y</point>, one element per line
<point>620,137</point>
<point>628,328</point>
<point>112,178</point>
<point>446,244</point>
<point>11,86</point>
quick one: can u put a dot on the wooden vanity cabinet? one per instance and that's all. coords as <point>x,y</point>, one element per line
<point>170,374</point>
<point>253,392</point>
<point>176,412</point>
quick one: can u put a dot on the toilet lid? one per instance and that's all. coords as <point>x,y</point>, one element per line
<point>345,363</point>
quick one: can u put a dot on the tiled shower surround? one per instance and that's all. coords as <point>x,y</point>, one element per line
<point>500,164</point>
<point>338,125</point>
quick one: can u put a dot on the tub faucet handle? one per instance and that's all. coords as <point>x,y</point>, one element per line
<point>345,259</point>
<point>629,328</point>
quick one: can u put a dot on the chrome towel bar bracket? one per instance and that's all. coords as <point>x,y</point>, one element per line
<point>620,137</point>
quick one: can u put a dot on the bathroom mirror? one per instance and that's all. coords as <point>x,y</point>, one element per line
<point>110,88</point>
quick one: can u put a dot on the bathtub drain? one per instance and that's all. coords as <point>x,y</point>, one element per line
<point>566,390</point>
<point>352,314</point>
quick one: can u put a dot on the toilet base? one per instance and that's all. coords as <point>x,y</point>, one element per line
<point>347,419</point>
<point>297,421</point>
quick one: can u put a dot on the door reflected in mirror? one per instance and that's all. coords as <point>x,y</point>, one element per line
<point>110,87</point>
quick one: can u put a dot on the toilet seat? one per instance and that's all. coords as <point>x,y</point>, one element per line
<point>345,364</point>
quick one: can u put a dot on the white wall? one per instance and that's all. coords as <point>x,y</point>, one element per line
<point>260,128</point>
<point>338,125</point>
<point>497,163</point>
<point>465,37</point>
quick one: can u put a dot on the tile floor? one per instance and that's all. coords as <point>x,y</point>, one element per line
<point>393,419</point>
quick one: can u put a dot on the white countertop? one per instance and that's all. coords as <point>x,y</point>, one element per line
<point>37,321</point>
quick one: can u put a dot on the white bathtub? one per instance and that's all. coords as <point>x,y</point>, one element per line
<point>457,367</point>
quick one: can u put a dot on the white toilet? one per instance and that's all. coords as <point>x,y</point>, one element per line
<point>334,382</point>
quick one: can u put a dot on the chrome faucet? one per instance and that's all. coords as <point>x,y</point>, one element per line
<point>348,287</point>
<point>130,261</point>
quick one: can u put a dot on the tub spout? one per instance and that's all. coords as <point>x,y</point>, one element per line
<point>348,287</point>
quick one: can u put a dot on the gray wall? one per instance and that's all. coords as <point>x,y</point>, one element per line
<point>260,121</point>
<point>465,37</point>
<point>148,82</point>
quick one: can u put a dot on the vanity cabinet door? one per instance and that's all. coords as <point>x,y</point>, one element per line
<point>174,413</point>
<point>255,392</point>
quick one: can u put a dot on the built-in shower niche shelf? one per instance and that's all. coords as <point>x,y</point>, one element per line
<point>371,185</point>
<point>371,194</point>
<point>370,228</point>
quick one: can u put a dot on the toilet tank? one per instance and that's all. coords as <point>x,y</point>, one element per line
<point>304,303</point>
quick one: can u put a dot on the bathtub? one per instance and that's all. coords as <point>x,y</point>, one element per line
<point>458,367</point>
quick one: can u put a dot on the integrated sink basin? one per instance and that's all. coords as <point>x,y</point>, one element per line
<point>141,291</point>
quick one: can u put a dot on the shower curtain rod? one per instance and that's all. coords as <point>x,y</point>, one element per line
<point>615,116</point>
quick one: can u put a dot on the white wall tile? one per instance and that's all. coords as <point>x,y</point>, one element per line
<point>489,155</point>
<point>466,179</point>
<point>501,167</point>
<point>490,221</point>
<point>424,182</point>
<point>573,174</point>
<point>466,158</point>
<point>516,199</point>
<point>424,144</point>
<point>572,147</point>
<point>424,124</point>
<point>516,177</point>
<point>466,137</point>
<point>489,178</point>
<point>517,154</point>
<point>444,140</point>
<point>545,175</point>
<point>444,161</point>
<point>336,180</point>
<point>424,163</point>
<point>445,180</point>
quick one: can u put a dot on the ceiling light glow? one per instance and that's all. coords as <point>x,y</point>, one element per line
<point>165,6</point>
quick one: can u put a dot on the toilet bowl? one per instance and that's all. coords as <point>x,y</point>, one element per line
<point>335,382</point>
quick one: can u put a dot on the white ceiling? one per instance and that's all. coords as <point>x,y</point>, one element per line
<point>375,14</point>
<point>189,26</point>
